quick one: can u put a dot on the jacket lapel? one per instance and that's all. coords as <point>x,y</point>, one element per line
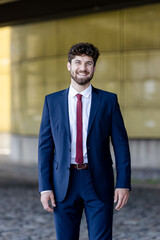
<point>96,98</point>
<point>65,111</point>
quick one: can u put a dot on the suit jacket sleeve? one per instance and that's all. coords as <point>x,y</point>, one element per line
<point>45,151</point>
<point>121,148</point>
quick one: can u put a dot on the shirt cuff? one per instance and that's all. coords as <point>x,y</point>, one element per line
<point>125,189</point>
<point>46,191</point>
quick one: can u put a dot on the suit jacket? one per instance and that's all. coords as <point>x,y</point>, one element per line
<point>54,151</point>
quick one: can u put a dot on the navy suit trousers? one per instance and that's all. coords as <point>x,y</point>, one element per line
<point>81,195</point>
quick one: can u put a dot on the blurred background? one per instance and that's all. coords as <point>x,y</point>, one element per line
<point>35,38</point>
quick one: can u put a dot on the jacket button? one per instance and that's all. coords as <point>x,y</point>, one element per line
<point>88,148</point>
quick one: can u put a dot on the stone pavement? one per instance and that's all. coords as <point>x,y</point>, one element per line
<point>22,216</point>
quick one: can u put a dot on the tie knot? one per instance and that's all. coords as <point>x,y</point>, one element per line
<point>79,96</point>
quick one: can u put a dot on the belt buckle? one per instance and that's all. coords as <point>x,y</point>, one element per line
<point>78,168</point>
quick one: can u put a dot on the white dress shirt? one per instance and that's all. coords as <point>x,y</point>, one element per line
<point>72,106</point>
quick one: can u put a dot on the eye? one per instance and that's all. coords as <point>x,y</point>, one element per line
<point>89,63</point>
<point>77,62</point>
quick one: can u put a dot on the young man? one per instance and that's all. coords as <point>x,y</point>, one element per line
<point>75,165</point>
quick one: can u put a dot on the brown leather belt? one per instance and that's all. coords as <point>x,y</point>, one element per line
<point>76,166</point>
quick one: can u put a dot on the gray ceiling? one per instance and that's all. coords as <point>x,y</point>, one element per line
<point>22,11</point>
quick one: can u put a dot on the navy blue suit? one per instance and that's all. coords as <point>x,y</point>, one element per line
<point>105,123</point>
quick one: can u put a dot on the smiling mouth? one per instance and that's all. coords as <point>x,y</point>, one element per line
<point>82,74</point>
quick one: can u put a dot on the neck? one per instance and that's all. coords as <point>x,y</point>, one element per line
<point>79,88</point>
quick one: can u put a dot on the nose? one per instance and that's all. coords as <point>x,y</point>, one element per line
<point>83,67</point>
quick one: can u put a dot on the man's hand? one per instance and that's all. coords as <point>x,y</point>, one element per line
<point>48,201</point>
<point>121,195</point>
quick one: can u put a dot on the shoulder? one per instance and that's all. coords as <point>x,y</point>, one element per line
<point>105,94</point>
<point>56,95</point>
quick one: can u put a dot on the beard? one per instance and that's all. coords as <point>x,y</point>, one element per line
<point>81,80</point>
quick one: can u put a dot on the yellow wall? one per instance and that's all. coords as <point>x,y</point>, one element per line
<point>5,79</point>
<point>129,42</point>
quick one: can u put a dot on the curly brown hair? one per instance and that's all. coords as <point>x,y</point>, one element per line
<point>83,49</point>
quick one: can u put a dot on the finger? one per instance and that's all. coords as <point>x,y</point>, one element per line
<point>45,203</point>
<point>118,206</point>
<point>53,202</point>
<point>49,209</point>
<point>47,206</point>
<point>115,196</point>
<point>122,202</point>
<point>126,200</point>
<point>126,197</point>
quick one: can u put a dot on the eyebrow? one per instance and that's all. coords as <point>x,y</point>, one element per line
<point>90,62</point>
<point>77,60</point>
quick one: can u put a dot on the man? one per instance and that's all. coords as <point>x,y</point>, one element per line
<point>75,165</point>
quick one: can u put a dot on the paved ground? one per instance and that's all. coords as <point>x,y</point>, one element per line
<point>22,217</point>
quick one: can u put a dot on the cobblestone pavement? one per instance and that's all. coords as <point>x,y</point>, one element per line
<point>22,216</point>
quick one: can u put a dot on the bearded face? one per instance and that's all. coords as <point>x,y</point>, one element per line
<point>81,69</point>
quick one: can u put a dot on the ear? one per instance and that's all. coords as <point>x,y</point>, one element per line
<point>68,66</point>
<point>94,69</point>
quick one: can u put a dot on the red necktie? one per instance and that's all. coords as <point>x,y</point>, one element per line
<point>79,140</point>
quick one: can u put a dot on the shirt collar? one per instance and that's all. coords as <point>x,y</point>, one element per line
<point>85,93</point>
